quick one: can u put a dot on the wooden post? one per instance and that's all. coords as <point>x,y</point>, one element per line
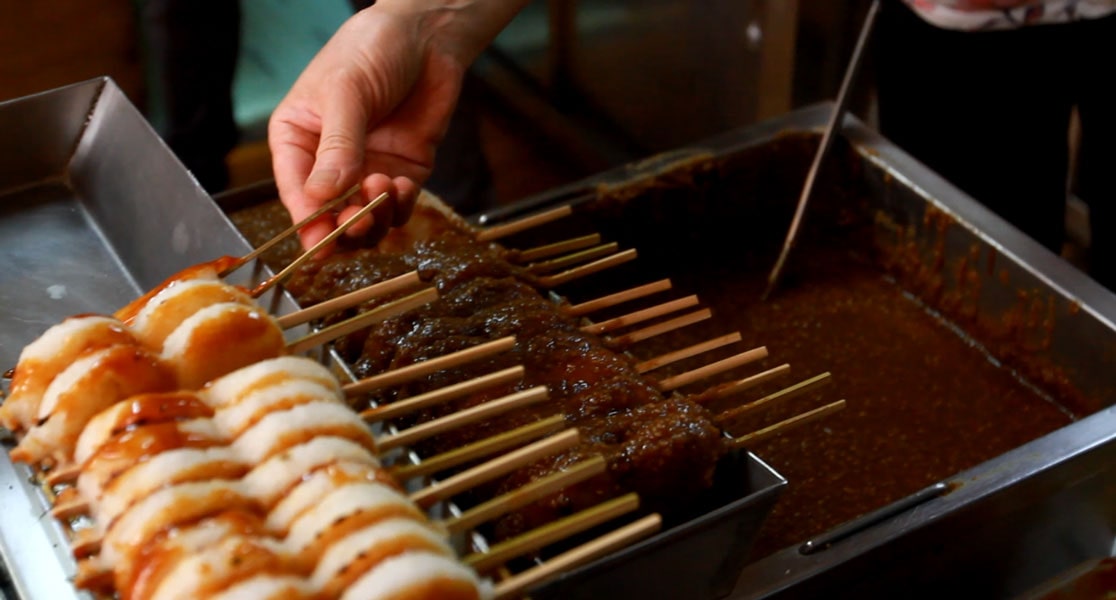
<point>778,22</point>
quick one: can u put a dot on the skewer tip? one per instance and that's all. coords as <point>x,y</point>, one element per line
<point>767,291</point>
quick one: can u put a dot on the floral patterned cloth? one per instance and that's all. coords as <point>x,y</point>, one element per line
<point>979,15</point>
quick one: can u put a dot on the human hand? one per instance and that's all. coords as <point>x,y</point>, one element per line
<point>370,108</point>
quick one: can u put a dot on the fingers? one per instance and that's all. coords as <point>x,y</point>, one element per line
<point>292,157</point>
<point>373,227</point>
<point>300,206</point>
<point>394,212</point>
<point>316,160</point>
<point>340,150</point>
<point>383,216</point>
<point>406,195</point>
<point>372,187</point>
<point>339,123</point>
<point>290,160</point>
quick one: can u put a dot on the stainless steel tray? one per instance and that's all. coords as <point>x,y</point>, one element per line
<point>94,208</point>
<point>714,534</point>
<point>1004,525</point>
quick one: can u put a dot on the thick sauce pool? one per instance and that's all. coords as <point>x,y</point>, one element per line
<point>924,403</point>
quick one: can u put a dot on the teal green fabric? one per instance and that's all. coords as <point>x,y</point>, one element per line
<point>278,39</point>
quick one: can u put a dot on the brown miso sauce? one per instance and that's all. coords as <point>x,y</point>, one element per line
<point>162,407</point>
<point>135,445</point>
<point>924,402</point>
<point>206,269</point>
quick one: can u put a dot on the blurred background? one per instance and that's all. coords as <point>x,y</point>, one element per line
<point>569,89</point>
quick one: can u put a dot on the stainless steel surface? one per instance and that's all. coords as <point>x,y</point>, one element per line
<point>695,559</point>
<point>1027,514</point>
<point>1008,523</point>
<point>840,533</point>
<point>836,120</point>
<point>633,68</point>
<point>724,525</point>
<point>112,213</point>
<point>93,209</point>
<point>1088,580</point>
<point>130,217</point>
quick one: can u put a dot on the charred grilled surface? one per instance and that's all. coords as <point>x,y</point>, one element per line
<point>664,448</point>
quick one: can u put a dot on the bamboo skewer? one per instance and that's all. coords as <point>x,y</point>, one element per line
<point>86,542</point>
<point>67,509</point>
<point>61,475</point>
<point>47,490</point>
<point>536,490</point>
<point>401,283</point>
<point>584,308</point>
<point>569,260</point>
<point>501,231</point>
<point>546,251</point>
<point>832,130</point>
<point>784,394</point>
<point>672,383</point>
<point>672,357</point>
<point>476,450</point>
<point>550,281</point>
<point>492,469</point>
<point>88,579</point>
<point>329,239</point>
<point>362,321</point>
<point>725,390</point>
<point>68,473</point>
<point>414,371</point>
<point>442,395</point>
<point>640,316</point>
<point>515,586</point>
<point>463,417</point>
<point>784,426</point>
<point>660,328</point>
<point>264,247</point>
<point>64,495</point>
<point>551,532</point>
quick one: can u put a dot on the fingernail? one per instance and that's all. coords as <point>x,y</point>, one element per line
<point>323,178</point>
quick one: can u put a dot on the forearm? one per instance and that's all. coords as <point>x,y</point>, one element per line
<point>462,28</point>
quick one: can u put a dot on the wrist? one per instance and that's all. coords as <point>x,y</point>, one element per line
<point>459,28</point>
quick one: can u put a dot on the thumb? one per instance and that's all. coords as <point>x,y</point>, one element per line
<point>340,155</point>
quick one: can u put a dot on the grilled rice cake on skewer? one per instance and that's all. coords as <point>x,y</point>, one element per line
<point>326,501</point>
<point>484,297</point>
